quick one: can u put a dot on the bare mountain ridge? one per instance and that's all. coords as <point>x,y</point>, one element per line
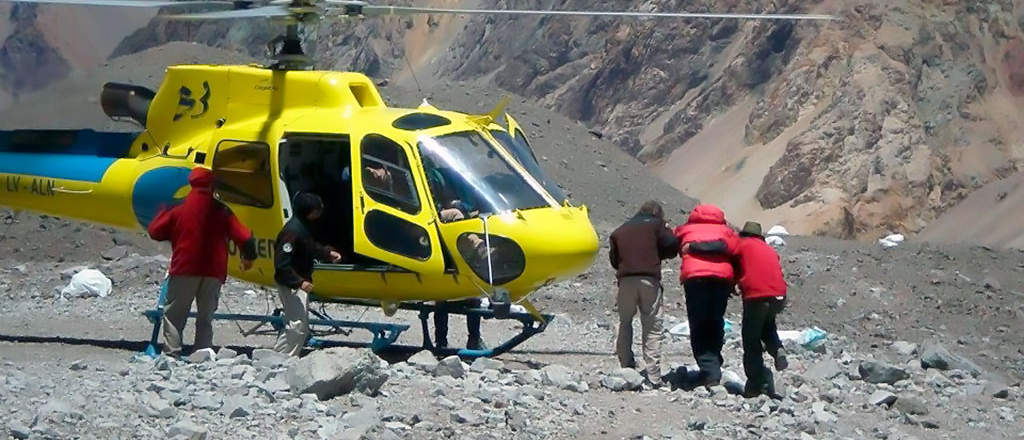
<point>41,44</point>
<point>886,118</point>
<point>27,61</point>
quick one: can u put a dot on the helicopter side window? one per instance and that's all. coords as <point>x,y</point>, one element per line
<point>396,235</point>
<point>243,173</point>
<point>386,174</point>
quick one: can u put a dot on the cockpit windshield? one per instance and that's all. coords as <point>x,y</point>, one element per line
<point>466,173</point>
<point>521,150</point>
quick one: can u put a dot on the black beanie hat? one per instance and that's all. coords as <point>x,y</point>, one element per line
<point>306,203</point>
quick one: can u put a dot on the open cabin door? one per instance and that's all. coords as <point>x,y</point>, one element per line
<point>246,183</point>
<point>393,222</point>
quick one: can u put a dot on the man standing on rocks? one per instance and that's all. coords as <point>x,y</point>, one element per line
<point>707,278</point>
<point>759,273</point>
<point>637,248</point>
<point>198,230</point>
<point>293,271</point>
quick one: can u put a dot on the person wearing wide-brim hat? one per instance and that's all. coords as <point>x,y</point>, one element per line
<point>761,281</point>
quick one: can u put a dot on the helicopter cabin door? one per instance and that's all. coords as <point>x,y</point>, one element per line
<point>245,184</point>
<point>393,223</point>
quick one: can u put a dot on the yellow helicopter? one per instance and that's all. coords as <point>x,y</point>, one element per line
<point>425,204</point>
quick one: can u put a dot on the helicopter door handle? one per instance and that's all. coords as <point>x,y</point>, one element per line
<point>362,203</point>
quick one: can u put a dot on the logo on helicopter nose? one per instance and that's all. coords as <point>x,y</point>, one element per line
<point>186,103</point>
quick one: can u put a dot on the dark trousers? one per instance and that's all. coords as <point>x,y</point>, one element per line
<point>706,300</point>
<point>759,334</point>
<point>441,323</point>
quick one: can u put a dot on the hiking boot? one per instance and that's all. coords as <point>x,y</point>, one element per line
<point>781,363</point>
<point>476,344</point>
<point>708,380</point>
<point>750,393</point>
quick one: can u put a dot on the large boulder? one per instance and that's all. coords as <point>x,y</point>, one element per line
<point>877,372</point>
<point>337,371</point>
<point>623,379</point>
<point>936,356</point>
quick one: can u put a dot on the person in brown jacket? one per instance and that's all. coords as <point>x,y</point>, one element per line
<point>636,250</point>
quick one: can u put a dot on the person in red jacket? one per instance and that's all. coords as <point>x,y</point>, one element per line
<point>707,279</point>
<point>198,230</point>
<point>763,286</point>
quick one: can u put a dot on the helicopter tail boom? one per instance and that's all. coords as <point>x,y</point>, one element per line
<point>72,173</point>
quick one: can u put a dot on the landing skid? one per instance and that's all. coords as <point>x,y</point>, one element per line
<point>385,335</point>
<point>531,326</point>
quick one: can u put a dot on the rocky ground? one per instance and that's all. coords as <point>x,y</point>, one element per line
<point>71,367</point>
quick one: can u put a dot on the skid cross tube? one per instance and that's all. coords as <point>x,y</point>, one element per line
<point>530,326</point>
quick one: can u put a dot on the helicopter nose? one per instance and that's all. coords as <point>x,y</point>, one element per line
<point>563,244</point>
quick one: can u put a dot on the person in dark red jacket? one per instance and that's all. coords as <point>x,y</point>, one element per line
<point>763,286</point>
<point>707,279</point>
<point>198,230</point>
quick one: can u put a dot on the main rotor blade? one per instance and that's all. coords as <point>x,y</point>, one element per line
<point>127,3</point>
<point>375,10</point>
<point>265,11</point>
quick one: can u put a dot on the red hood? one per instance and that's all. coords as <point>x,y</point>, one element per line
<point>201,178</point>
<point>707,214</point>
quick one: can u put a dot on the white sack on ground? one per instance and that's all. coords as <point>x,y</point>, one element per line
<point>89,282</point>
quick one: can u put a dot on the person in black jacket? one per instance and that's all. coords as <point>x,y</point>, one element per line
<point>637,248</point>
<point>294,253</point>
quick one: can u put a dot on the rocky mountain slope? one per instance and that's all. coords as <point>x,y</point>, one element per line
<point>987,216</point>
<point>877,122</point>
<point>41,44</point>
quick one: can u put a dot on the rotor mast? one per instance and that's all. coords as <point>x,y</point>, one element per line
<point>291,56</point>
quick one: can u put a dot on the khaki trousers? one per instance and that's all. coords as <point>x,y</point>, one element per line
<point>296,321</point>
<point>181,291</point>
<point>644,294</point>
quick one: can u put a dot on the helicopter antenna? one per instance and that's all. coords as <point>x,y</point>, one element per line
<point>413,72</point>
